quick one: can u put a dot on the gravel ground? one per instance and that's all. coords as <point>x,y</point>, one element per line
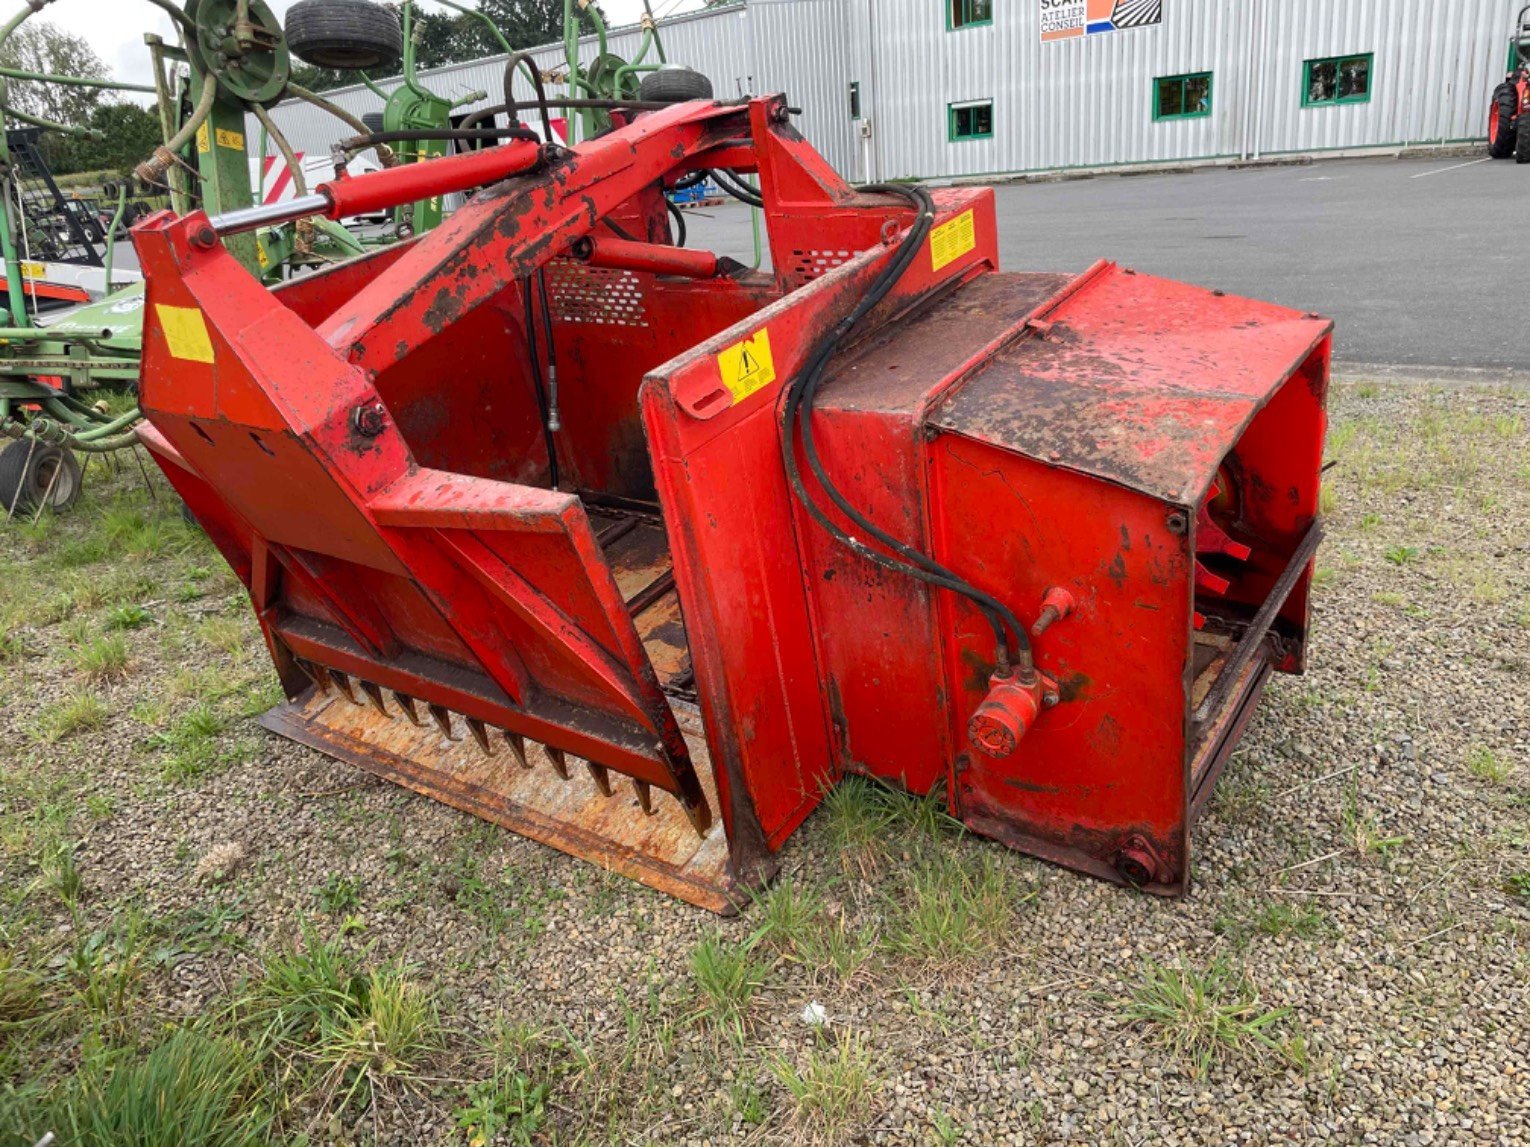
<point>1359,931</point>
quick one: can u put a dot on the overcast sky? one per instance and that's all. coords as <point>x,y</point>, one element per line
<point>115,28</point>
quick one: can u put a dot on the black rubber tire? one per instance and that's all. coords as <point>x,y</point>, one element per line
<point>674,85</point>
<point>27,476</point>
<point>1522,146</point>
<point>344,35</point>
<point>1504,108</point>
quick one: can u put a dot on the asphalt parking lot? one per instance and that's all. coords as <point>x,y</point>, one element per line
<point>1414,259</point>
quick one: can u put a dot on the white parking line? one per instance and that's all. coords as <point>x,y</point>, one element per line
<point>1453,167</point>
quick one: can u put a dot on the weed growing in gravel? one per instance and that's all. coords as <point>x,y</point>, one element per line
<point>955,906</point>
<point>350,1035</point>
<point>1484,764</point>
<point>61,873</point>
<point>75,713</point>
<point>129,616</point>
<point>832,1086</point>
<point>22,995</point>
<point>190,1091</point>
<point>1518,884</point>
<point>1301,920</point>
<point>191,742</point>
<point>726,977</point>
<point>339,893</point>
<point>103,659</point>
<point>1201,1015</point>
<point>799,924</point>
<point>859,818</point>
<point>506,1106</point>
<point>105,968</point>
<point>1362,828</point>
<point>1401,555</point>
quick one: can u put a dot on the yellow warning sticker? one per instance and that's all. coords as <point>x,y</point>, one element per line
<point>747,366</point>
<point>204,141</point>
<point>951,240</point>
<point>233,139</point>
<point>185,332</point>
<point>260,253</point>
<point>33,271</point>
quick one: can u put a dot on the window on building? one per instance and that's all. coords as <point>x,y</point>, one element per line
<point>1337,80</point>
<point>855,99</point>
<point>972,120</point>
<point>1182,97</point>
<point>968,13</point>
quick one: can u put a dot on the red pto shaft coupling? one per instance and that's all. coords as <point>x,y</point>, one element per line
<point>1008,712</point>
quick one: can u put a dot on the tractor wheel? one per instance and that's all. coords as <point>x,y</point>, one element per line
<point>673,85</point>
<point>31,473</point>
<point>346,35</point>
<point>1522,146</point>
<point>1501,130</point>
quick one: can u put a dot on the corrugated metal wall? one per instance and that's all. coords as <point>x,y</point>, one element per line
<point>1080,103</point>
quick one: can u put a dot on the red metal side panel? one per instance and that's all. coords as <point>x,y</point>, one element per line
<point>1109,760</point>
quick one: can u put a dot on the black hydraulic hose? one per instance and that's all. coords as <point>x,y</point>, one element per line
<point>537,382</point>
<point>510,107</point>
<point>798,416</point>
<point>679,218</point>
<point>739,190</point>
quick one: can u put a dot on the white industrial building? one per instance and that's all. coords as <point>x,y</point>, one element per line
<point>940,89</point>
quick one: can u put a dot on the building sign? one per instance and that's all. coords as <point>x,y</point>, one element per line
<point>1070,19</point>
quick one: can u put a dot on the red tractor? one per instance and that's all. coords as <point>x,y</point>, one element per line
<point>1511,99</point>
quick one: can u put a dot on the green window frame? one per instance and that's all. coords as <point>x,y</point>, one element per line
<point>1182,97</point>
<point>1329,81</point>
<point>970,119</point>
<point>968,14</point>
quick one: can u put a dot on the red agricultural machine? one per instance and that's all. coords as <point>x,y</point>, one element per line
<point>637,552</point>
<point>1511,99</point>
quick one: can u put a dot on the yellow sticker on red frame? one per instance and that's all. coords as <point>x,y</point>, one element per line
<point>185,332</point>
<point>952,239</point>
<point>747,366</point>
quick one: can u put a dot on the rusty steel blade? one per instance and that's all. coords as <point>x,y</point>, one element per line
<point>480,733</point>
<point>644,795</point>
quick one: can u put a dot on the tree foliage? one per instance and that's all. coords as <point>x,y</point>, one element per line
<point>131,132</point>
<point>38,46</point>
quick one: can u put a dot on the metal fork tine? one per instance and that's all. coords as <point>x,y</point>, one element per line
<point>315,674</point>
<point>644,795</point>
<point>443,719</point>
<point>559,761</point>
<point>602,777</point>
<point>343,683</point>
<point>374,695</point>
<point>407,704</point>
<point>480,734</point>
<point>517,745</point>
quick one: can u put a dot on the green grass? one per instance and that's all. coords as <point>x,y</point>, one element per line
<point>954,906</point>
<point>832,1086</point>
<point>726,977</point>
<point>1484,764</point>
<point>506,1107</point>
<point>347,1034</point>
<point>192,1090</point>
<point>103,658</point>
<point>1204,1015</point>
<point>191,742</point>
<point>75,713</point>
<point>1401,555</point>
<point>61,873</point>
